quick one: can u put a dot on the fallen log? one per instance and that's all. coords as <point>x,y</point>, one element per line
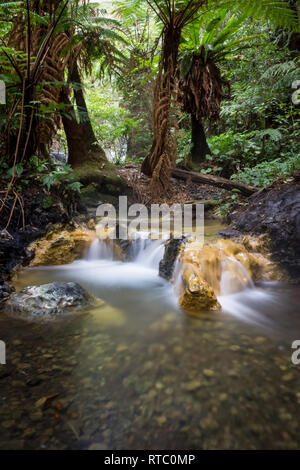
<point>213,181</point>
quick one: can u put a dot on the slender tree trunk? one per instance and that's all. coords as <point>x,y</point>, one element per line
<point>294,36</point>
<point>200,146</point>
<point>83,147</point>
<point>31,140</point>
<point>73,131</point>
<point>84,118</point>
<point>80,149</point>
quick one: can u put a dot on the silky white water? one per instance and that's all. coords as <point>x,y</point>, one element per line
<point>136,286</point>
<point>136,372</point>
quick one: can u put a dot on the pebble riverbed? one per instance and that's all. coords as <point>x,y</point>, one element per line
<point>114,378</point>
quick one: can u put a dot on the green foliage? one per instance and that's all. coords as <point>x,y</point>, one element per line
<point>38,165</point>
<point>111,122</point>
<point>75,186</point>
<point>47,202</point>
<point>233,152</point>
<point>260,88</point>
<point>135,82</point>
<point>264,137</point>
<point>60,175</point>
<point>263,174</point>
<point>17,170</point>
<point>219,40</point>
<point>184,145</point>
<point>257,137</point>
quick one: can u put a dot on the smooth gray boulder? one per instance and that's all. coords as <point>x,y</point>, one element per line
<point>48,300</point>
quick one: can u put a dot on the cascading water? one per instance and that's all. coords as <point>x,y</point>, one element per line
<point>239,296</point>
<point>148,252</point>
<point>234,278</point>
<point>128,284</point>
<point>136,283</point>
<point>225,274</point>
<point>143,251</point>
<point>99,250</point>
<point>135,356</point>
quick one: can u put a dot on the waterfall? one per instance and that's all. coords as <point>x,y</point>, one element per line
<point>143,250</point>
<point>133,282</point>
<point>228,277</point>
<point>234,277</point>
<point>152,254</point>
<point>200,272</point>
<point>225,273</point>
<point>140,242</point>
<point>148,252</point>
<point>99,250</point>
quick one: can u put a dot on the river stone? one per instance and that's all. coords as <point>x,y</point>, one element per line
<point>230,233</point>
<point>48,300</point>
<point>172,250</point>
<point>5,290</point>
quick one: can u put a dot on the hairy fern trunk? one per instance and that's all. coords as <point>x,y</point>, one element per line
<point>163,153</point>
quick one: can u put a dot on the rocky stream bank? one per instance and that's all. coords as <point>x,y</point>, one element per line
<point>132,371</point>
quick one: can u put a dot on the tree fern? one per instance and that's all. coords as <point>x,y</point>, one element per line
<point>278,13</point>
<point>273,134</point>
<point>283,68</point>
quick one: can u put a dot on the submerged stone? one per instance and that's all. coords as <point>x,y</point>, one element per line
<point>5,290</point>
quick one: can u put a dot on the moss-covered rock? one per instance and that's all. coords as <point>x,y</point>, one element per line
<point>101,184</point>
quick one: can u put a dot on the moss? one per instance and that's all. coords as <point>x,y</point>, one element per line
<point>88,174</point>
<point>103,180</point>
<point>92,197</point>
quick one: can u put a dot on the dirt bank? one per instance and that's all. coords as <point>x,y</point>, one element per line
<point>275,211</point>
<point>31,222</point>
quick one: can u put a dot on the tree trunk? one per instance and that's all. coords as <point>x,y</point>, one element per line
<point>200,146</point>
<point>36,132</point>
<point>163,153</point>
<point>81,150</point>
<point>293,43</point>
<point>214,181</point>
<point>83,147</point>
<point>84,118</point>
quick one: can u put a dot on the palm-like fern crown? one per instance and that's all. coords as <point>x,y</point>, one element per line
<point>277,12</point>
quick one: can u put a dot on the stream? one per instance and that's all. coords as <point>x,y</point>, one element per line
<point>137,373</point>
